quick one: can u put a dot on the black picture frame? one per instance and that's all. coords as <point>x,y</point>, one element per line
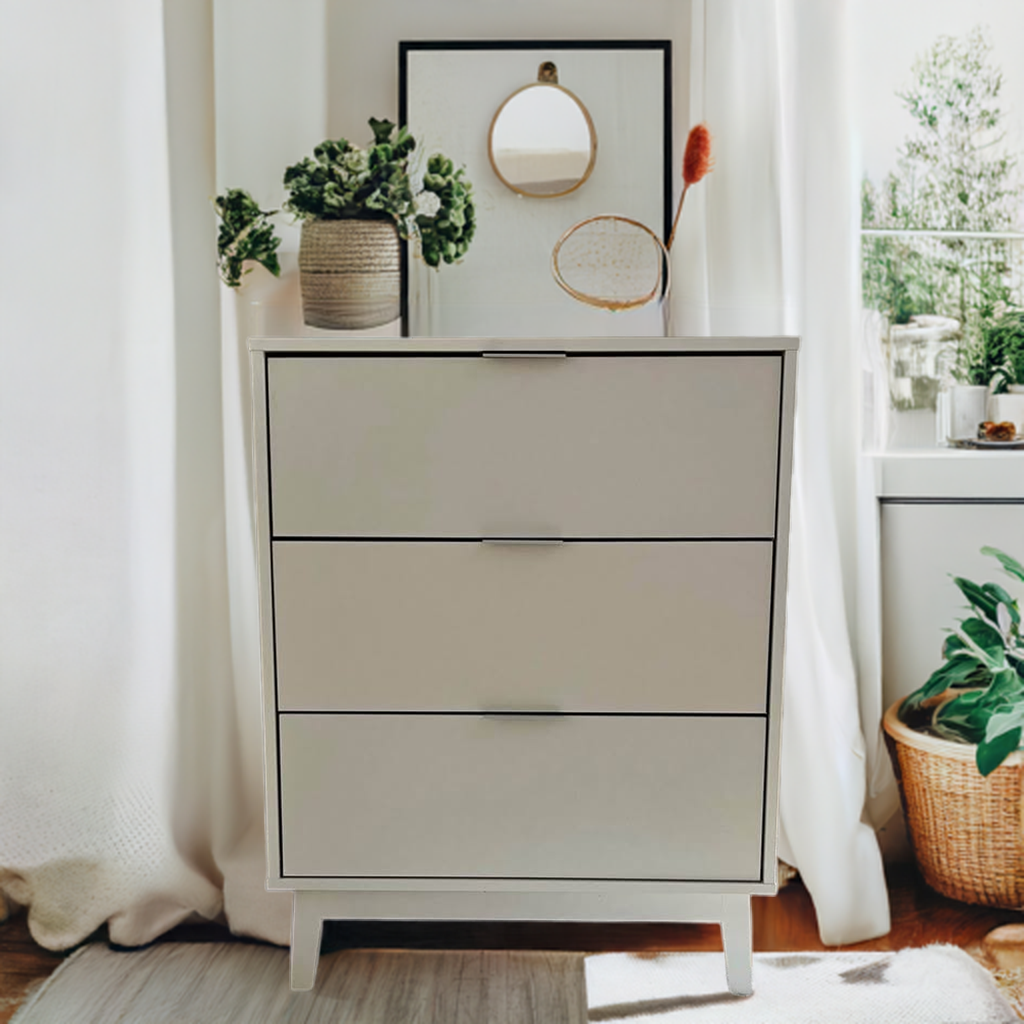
<point>405,47</point>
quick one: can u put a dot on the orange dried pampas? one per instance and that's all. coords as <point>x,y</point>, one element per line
<point>696,163</point>
<point>697,158</point>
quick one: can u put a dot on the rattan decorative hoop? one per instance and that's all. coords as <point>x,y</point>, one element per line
<point>606,265</point>
<point>350,273</point>
<point>967,831</point>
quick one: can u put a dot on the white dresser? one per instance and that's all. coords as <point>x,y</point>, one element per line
<point>522,609</point>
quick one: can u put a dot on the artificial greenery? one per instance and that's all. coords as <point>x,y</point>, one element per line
<point>245,234</point>
<point>953,174</point>
<point>445,233</point>
<point>345,180</point>
<point>984,668</point>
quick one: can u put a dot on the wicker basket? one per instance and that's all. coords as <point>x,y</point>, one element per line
<point>967,831</point>
<point>350,273</point>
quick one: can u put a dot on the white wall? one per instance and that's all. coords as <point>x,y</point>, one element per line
<point>271,103</point>
<point>291,74</point>
<point>363,40</point>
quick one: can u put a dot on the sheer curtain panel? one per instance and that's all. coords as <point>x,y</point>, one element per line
<point>769,247</point>
<point>121,792</point>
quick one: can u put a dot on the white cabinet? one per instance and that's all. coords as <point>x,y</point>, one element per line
<point>522,618</point>
<point>938,510</point>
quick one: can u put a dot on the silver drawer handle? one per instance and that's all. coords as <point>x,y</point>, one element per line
<point>524,355</point>
<point>535,542</point>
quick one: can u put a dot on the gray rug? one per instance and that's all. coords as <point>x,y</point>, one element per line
<point>218,983</point>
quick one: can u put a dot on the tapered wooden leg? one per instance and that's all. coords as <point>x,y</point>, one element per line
<point>307,926</point>
<point>738,940</point>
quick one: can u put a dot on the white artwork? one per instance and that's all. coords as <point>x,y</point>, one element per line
<point>505,286</point>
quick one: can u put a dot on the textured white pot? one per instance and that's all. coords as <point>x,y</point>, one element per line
<point>350,273</point>
<point>967,404</point>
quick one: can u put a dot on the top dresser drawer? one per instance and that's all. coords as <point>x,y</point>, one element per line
<point>470,446</point>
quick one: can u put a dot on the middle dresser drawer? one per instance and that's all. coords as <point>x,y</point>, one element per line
<point>658,627</point>
<point>471,446</point>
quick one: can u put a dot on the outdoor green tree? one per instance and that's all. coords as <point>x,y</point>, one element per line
<point>953,173</point>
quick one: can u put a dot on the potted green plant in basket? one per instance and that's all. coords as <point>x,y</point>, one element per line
<point>355,205</point>
<point>955,745</point>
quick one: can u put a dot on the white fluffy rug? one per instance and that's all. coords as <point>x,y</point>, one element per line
<point>933,985</point>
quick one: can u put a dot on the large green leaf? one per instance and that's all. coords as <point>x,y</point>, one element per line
<point>986,641</point>
<point>968,716</point>
<point>951,644</point>
<point>992,753</point>
<point>963,718</point>
<point>1002,597</point>
<point>1010,565</point>
<point>1007,688</point>
<point>1004,720</point>
<point>962,670</point>
<point>984,602</point>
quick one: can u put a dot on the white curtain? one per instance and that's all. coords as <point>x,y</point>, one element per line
<point>130,748</point>
<point>770,246</point>
<point>126,713</point>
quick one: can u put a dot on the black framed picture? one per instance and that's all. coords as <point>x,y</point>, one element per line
<point>617,94</point>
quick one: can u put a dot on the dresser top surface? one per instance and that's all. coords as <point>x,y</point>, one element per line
<point>625,346</point>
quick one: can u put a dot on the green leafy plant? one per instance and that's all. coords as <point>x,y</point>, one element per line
<point>446,232</point>
<point>978,360</point>
<point>245,234</point>
<point>345,180</point>
<point>1005,341</point>
<point>977,694</point>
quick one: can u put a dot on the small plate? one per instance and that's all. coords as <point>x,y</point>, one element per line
<point>981,442</point>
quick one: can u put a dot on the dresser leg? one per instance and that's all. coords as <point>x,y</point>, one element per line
<point>307,925</point>
<point>738,940</point>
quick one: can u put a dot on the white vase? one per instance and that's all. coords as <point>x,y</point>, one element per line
<point>967,404</point>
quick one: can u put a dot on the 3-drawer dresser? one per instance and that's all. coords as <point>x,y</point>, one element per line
<point>522,611</point>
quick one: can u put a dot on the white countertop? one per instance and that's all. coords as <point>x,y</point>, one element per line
<point>948,473</point>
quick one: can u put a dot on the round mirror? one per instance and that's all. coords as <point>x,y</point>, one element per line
<point>542,142</point>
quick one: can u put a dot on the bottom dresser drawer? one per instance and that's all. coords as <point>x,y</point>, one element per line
<point>561,796</point>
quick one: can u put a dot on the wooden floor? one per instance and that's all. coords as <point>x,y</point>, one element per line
<point>782,923</point>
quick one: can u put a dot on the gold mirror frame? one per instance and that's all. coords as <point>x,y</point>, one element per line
<point>547,77</point>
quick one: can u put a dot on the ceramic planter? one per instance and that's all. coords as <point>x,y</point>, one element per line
<point>350,272</point>
<point>967,408</point>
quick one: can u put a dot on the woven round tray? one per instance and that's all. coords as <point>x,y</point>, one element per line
<point>967,831</point>
<point>350,272</point>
